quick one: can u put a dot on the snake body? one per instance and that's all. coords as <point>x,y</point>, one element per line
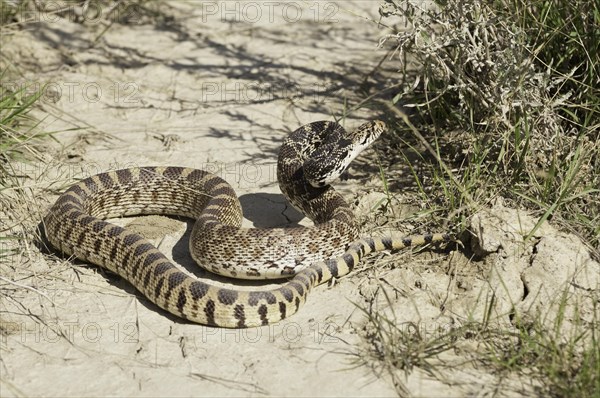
<point>75,225</point>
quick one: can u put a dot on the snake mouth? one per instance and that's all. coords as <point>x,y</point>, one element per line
<point>320,183</point>
<point>332,158</point>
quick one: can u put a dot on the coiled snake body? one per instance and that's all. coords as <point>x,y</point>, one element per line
<point>75,226</point>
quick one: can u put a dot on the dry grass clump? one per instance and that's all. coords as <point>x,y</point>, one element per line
<point>18,134</point>
<point>519,80</point>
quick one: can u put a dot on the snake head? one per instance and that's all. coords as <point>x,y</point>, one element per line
<point>332,158</point>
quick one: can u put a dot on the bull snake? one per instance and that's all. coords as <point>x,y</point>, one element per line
<point>309,255</point>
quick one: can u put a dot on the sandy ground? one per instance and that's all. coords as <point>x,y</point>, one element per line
<point>217,86</point>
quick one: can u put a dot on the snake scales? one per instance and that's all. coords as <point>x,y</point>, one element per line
<point>75,226</point>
